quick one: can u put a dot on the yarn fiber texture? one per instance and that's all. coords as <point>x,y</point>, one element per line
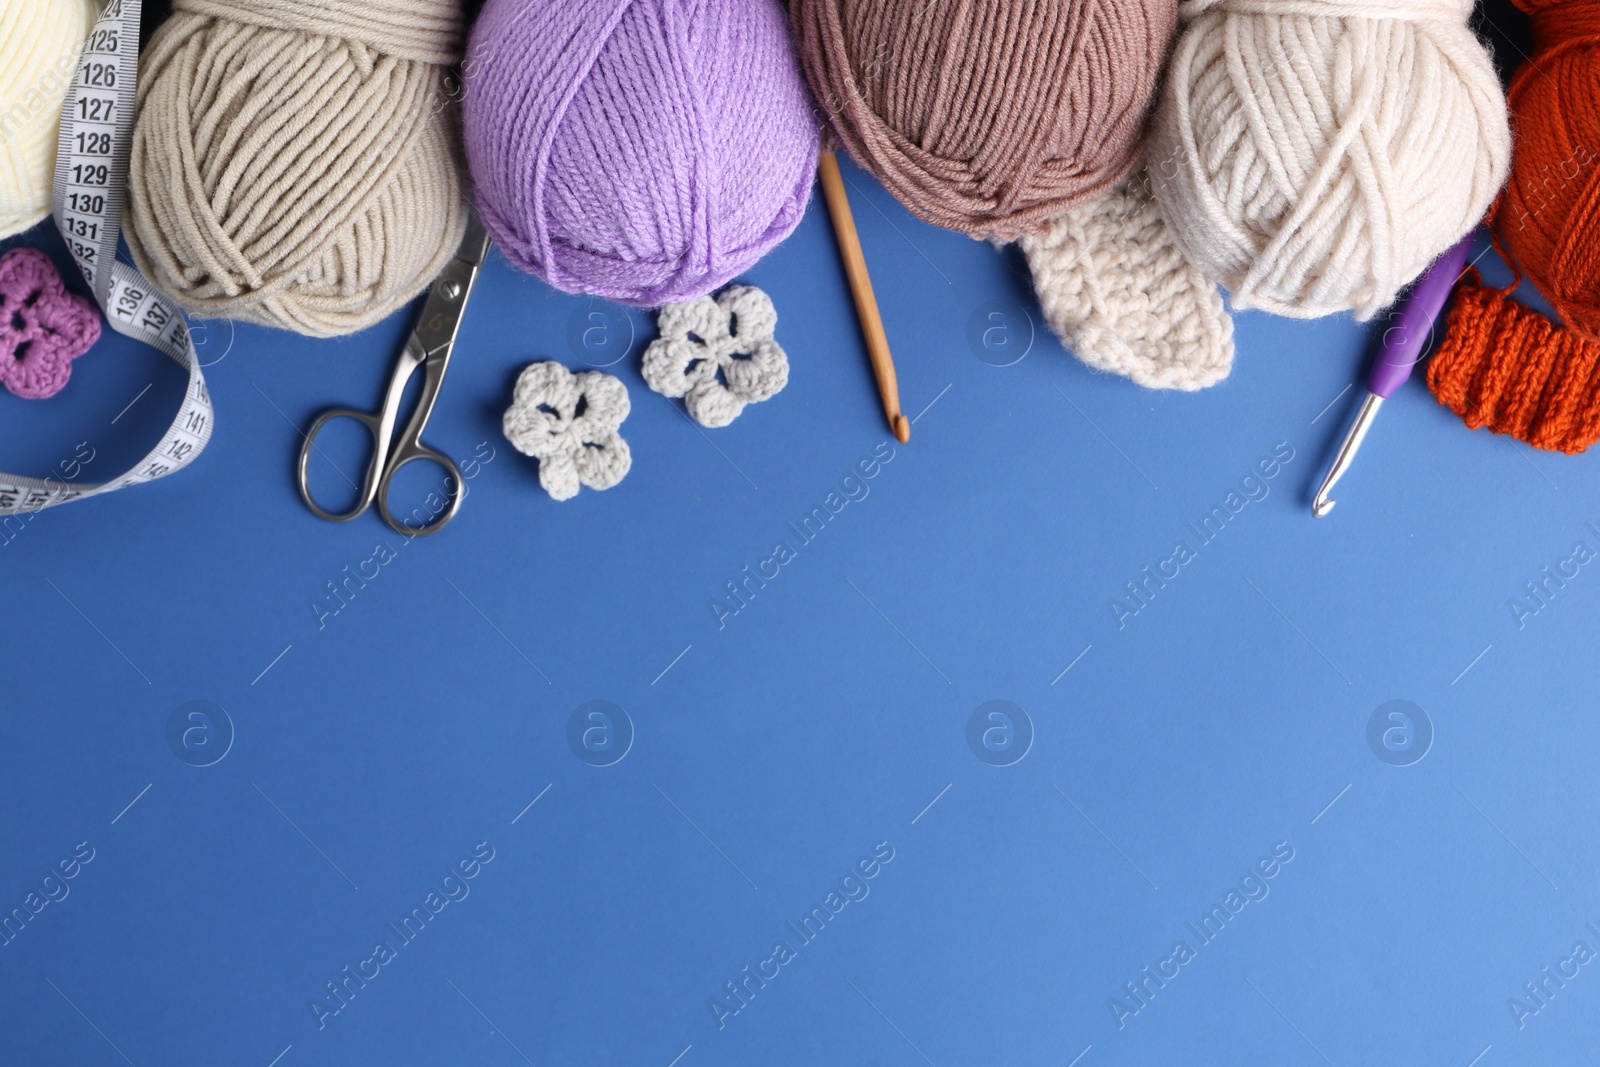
<point>294,163</point>
<point>1114,286</point>
<point>571,423</point>
<point>989,117</point>
<point>1315,156</point>
<point>646,151</point>
<point>43,328</point>
<point>1504,365</point>
<point>718,356</point>
<point>39,45</point>
<point>1549,217</point>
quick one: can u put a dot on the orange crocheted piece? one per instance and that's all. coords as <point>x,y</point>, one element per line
<point>1505,366</point>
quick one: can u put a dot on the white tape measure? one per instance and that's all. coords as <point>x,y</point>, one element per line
<point>90,185</point>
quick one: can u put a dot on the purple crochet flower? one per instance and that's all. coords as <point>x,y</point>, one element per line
<point>43,328</point>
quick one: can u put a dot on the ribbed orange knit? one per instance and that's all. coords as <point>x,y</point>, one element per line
<point>1505,366</point>
<point>1502,365</point>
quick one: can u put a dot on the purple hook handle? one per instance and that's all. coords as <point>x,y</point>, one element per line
<point>1407,336</point>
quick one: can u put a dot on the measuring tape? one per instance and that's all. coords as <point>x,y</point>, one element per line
<point>90,186</point>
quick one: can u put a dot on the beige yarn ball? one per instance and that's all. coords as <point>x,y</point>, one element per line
<point>294,163</point>
<point>39,45</point>
<point>1315,156</point>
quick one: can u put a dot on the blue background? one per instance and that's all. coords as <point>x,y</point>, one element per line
<point>376,747</point>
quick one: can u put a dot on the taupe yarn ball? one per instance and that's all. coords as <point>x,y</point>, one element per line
<point>987,116</point>
<point>295,163</point>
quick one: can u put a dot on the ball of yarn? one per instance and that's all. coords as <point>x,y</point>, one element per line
<point>1315,156</point>
<point>294,163</point>
<point>39,45</point>
<point>1549,216</point>
<point>987,116</point>
<point>1502,364</point>
<point>645,152</point>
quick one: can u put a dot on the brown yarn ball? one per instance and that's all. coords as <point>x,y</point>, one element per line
<point>988,116</point>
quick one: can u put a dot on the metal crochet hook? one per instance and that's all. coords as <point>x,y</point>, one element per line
<point>1404,343</point>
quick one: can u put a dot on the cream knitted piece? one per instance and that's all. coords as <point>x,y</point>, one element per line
<point>1115,287</point>
<point>569,423</point>
<point>39,45</point>
<point>718,355</point>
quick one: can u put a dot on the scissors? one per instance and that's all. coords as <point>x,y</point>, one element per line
<point>429,349</point>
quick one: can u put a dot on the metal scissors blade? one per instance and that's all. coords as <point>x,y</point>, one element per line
<point>429,349</point>
<point>447,302</point>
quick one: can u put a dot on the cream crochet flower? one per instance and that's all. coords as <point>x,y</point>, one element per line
<point>569,423</point>
<point>718,355</point>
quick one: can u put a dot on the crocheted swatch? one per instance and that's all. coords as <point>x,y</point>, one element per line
<point>569,423</point>
<point>1123,298</point>
<point>1507,367</point>
<point>718,355</point>
<point>43,328</point>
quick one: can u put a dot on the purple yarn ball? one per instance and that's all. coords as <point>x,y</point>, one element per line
<point>645,151</point>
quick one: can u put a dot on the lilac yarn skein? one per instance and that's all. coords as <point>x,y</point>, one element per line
<point>645,151</point>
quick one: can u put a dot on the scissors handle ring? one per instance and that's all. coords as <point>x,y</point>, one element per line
<point>437,518</point>
<point>369,488</point>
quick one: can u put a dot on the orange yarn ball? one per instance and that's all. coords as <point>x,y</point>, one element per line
<point>1549,214</point>
<point>1502,364</point>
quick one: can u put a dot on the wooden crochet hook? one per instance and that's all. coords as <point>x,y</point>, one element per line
<point>855,269</point>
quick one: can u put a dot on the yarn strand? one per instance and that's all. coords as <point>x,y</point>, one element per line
<point>1503,365</point>
<point>1315,156</point>
<point>39,45</point>
<point>645,151</point>
<point>294,164</point>
<point>987,117</point>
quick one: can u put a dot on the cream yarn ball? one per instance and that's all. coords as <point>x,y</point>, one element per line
<point>39,45</point>
<point>1315,156</point>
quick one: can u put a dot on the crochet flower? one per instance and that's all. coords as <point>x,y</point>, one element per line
<point>569,423</point>
<point>718,355</point>
<point>43,328</point>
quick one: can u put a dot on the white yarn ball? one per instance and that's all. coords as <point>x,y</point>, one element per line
<point>39,45</point>
<point>1315,156</point>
